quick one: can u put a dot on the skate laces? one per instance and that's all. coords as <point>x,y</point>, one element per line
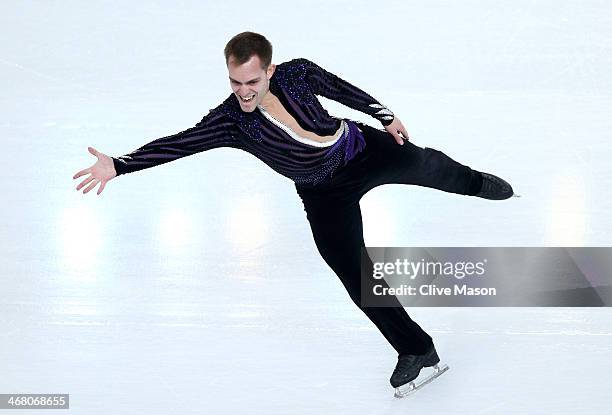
<point>495,183</point>
<point>404,363</point>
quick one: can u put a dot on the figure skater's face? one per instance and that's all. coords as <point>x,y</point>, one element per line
<point>249,82</point>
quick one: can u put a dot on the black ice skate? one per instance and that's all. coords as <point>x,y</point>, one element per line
<point>495,188</point>
<point>408,368</point>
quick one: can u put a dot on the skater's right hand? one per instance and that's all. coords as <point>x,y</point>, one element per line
<point>101,172</point>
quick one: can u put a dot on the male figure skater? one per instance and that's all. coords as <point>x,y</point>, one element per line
<point>274,114</point>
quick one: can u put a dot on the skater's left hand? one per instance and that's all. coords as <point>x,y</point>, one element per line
<point>395,128</point>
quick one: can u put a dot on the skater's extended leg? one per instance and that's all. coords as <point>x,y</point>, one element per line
<point>338,233</point>
<point>428,167</point>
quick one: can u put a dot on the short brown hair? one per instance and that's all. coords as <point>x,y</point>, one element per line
<point>246,44</point>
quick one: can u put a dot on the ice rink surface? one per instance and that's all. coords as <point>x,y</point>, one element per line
<point>195,287</point>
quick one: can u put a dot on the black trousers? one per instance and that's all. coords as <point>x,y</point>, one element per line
<point>333,210</point>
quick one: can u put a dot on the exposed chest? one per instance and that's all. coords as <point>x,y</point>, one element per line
<point>274,108</point>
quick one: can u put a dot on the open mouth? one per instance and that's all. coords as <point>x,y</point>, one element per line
<point>247,99</point>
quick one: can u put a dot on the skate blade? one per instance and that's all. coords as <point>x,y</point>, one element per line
<point>411,387</point>
<point>515,195</point>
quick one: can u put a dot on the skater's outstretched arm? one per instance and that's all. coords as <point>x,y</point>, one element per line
<point>211,132</point>
<point>328,85</point>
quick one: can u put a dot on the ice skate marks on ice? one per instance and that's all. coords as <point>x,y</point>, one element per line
<point>414,385</point>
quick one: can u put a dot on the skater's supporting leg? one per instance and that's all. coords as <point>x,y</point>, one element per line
<point>338,233</point>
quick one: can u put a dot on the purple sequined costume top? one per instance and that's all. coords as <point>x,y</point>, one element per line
<point>295,83</point>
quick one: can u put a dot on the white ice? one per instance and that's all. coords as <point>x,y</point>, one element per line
<point>195,287</point>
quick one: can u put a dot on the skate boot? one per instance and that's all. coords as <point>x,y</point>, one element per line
<point>494,188</point>
<point>408,369</point>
